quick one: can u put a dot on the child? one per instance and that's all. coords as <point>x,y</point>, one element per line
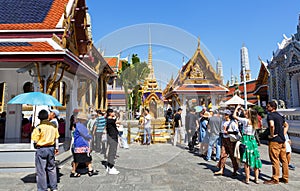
<point>289,151</point>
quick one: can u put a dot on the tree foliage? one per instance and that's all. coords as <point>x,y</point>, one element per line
<point>132,78</point>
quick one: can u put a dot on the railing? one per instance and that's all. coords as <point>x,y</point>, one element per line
<point>160,132</point>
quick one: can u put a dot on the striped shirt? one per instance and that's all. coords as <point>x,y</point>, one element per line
<point>100,124</point>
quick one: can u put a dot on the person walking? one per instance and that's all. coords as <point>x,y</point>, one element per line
<point>147,127</point>
<point>98,131</point>
<point>112,140</point>
<point>192,124</point>
<point>90,126</point>
<point>251,156</point>
<point>178,127</point>
<point>45,139</point>
<point>82,150</point>
<point>203,125</point>
<point>229,127</point>
<point>204,132</point>
<point>215,128</point>
<point>277,148</point>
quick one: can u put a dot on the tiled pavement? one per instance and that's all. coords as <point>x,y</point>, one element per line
<point>154,167</point>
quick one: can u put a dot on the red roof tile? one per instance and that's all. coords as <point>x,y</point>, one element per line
<point>55,13</point>
<point>35,47</point>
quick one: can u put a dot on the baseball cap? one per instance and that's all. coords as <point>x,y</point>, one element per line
<point>227,112</point>
<point>55,111</point>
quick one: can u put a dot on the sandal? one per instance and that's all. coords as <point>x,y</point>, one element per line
<point>234,174</point>
<point>256,181</point>
<point>92,172</point>
<point>75,175</point>
<point>246,181</point>
<point>218,173</point>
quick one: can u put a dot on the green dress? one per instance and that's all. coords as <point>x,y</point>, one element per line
<point>251,155</point>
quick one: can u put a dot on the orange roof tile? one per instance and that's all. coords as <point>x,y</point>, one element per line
<point>112,62</point>
<point>51,20</point>
<point>35,47</point>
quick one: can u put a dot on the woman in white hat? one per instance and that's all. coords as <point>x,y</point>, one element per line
<point>82,150</point>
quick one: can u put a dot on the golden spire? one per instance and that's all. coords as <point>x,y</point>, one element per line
<point>151,74</point>
<point>198,43</point>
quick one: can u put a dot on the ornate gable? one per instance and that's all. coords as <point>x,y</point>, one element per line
<point>198,70</point>
<point>76,35</point>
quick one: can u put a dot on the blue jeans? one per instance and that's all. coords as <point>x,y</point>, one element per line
<point>45,165</point>
<point>212,140</point>
<point>147,132</point>
<point>202,133</point>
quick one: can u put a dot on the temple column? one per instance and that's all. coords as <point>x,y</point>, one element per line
<point>100,93</point>
<point>104,93</point>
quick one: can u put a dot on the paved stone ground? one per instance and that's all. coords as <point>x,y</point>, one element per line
<point>154,167</point>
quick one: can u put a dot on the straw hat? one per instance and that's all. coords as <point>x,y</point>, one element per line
<point>82,116</point>
<point>206,114</point>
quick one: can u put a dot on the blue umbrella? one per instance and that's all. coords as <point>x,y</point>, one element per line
<point>198,108</point>
<point>35,98</point>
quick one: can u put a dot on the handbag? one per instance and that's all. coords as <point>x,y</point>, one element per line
<point>234,137</point>
<point>242,149</point>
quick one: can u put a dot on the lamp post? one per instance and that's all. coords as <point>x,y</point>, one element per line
<point>245,90</point>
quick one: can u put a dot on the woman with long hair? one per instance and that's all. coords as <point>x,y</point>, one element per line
<point>251,156</point>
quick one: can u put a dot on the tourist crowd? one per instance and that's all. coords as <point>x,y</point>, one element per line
<point>233,133</point>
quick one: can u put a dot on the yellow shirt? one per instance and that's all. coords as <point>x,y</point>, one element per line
<point>45,134</point>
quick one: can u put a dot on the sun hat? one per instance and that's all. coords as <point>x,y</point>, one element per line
<point>82,116</point>
<point>206,114</point>
<point>76,110</point>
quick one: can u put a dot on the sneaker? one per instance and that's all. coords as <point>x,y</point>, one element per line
<point>106,169</point>
<point>113,170</point>
<point>208,160</point>
<point>291,167</point>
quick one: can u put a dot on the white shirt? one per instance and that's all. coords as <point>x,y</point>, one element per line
<point>233,127</point>
<point>287,144</point>
<point>247,129</point>
<point>147,121</point>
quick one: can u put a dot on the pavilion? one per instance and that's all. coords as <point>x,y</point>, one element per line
<point>46,45</point>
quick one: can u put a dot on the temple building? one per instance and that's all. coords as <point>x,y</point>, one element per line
<point>284,69</point>
<point>115,93</point>
<point>46,46</point>
<point>197,84</point>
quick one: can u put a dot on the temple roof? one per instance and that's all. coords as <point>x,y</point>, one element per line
<point>31,14</point>
<point>250,87</point>
<point>198,70</point>
<point>114,62</point>
<point>198,89</point>
<point>262,79</point>
<point>28,45</point>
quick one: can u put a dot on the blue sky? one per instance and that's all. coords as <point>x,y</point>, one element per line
<point>223,27</point>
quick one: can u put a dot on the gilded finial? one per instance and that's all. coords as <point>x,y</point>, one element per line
<point>198,43</point>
